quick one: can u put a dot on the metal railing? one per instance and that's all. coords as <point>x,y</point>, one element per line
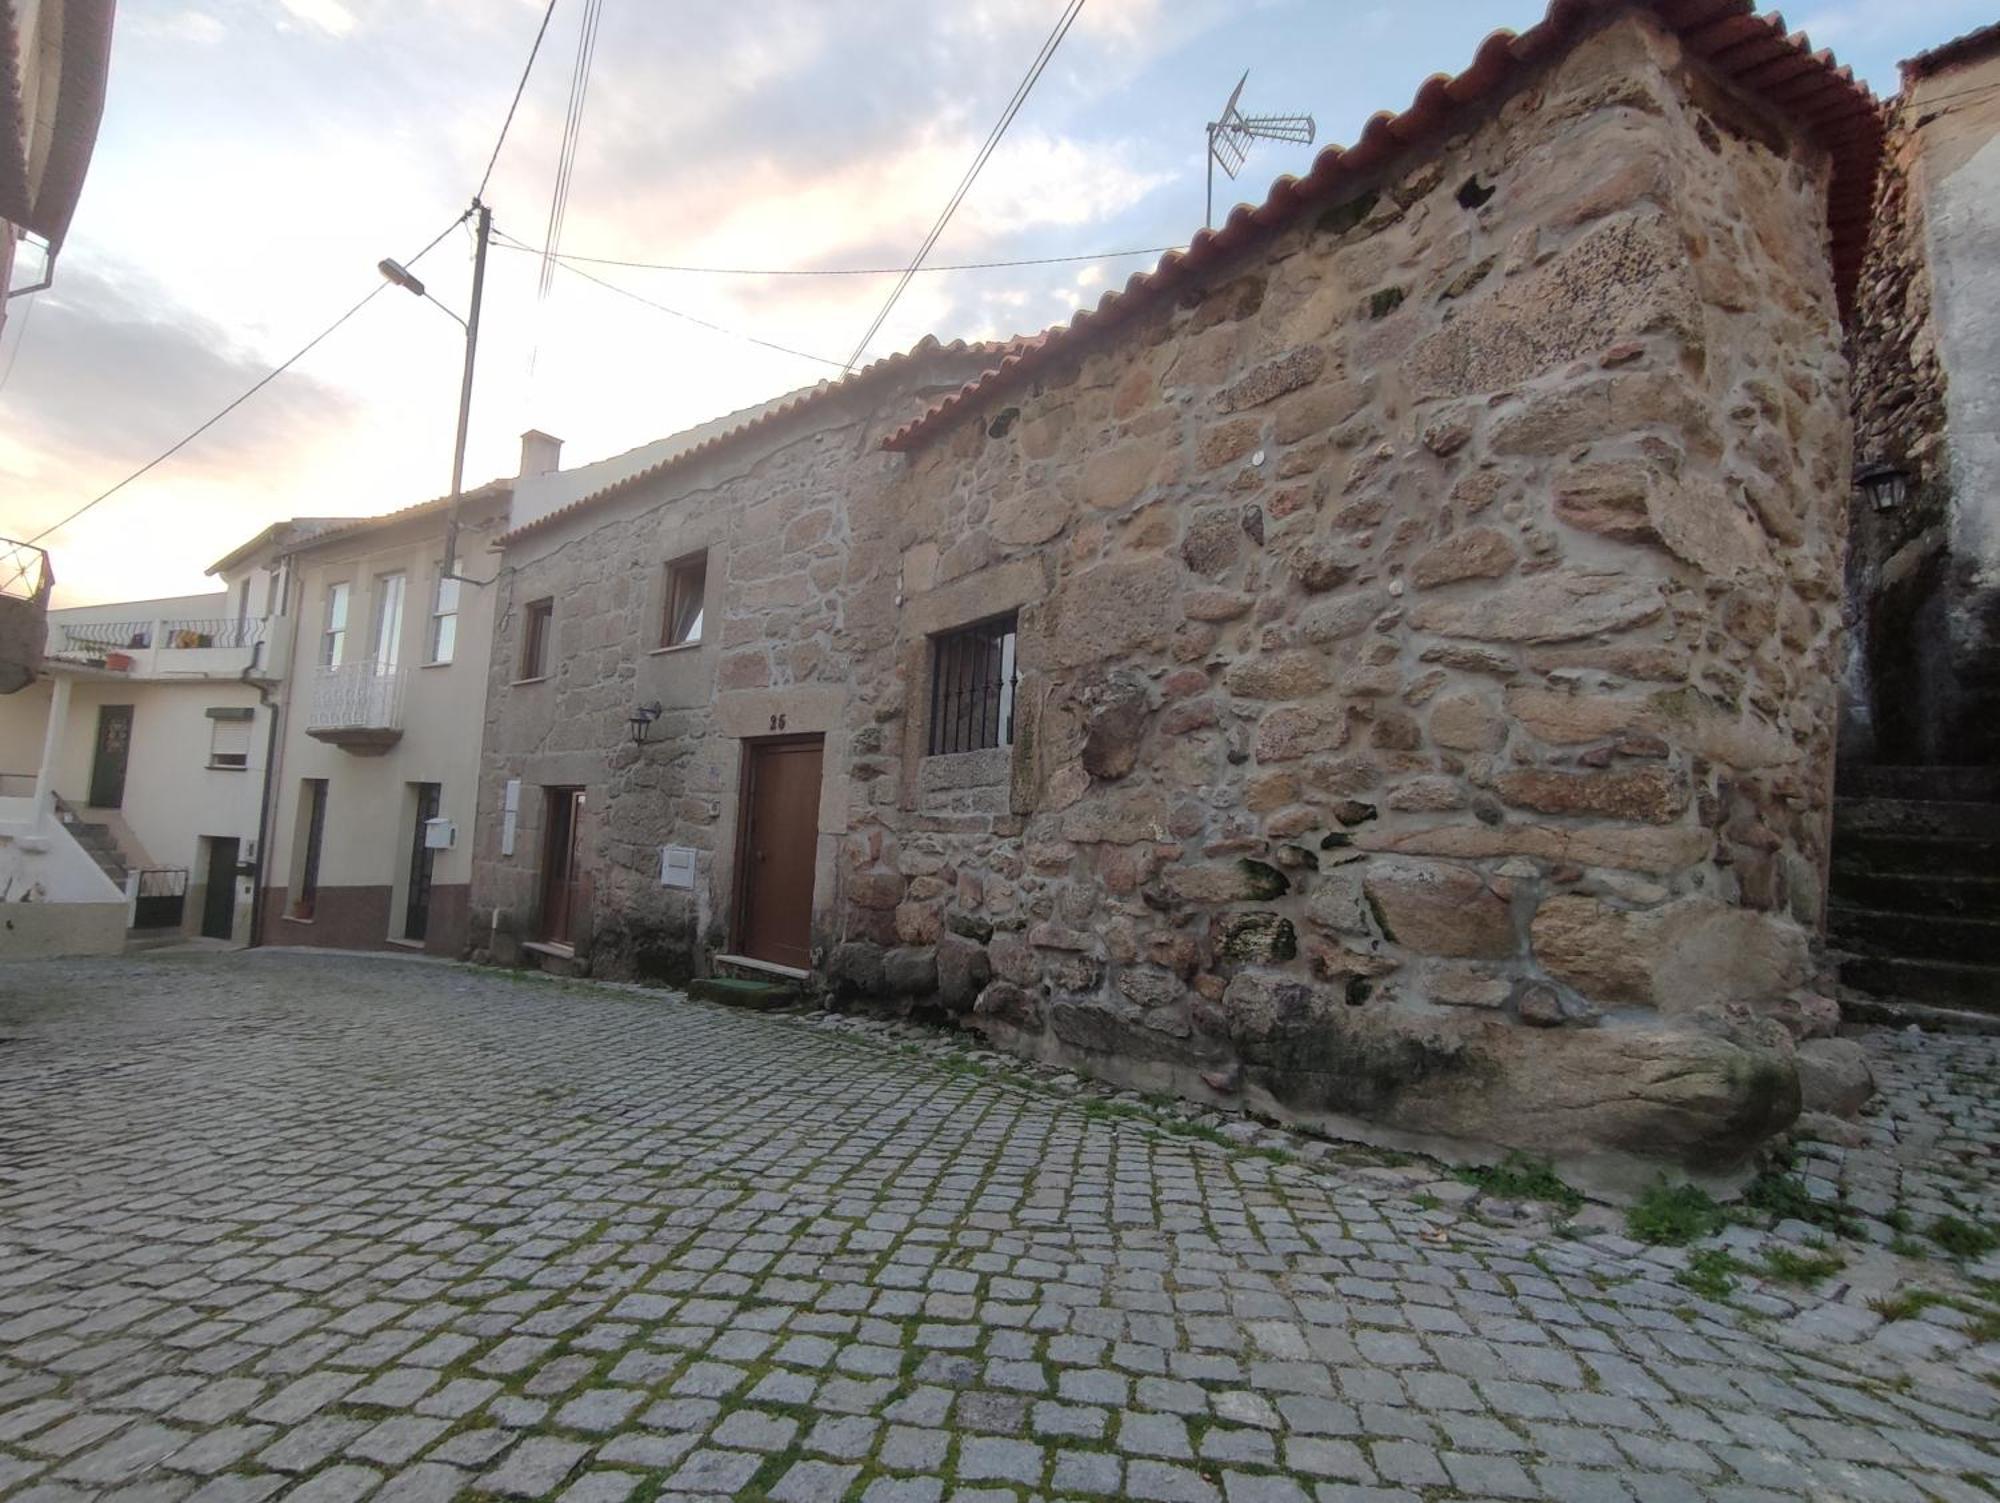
<point>24,572</point>
<point>139,636</point>
<point>107,636</point>
<point>230,633</point>
<point>356,696</point>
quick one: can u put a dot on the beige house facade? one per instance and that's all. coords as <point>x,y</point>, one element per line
<point>1377,669</point>
<point>383,659</point>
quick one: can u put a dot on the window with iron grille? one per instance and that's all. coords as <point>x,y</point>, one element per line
<point>973,675</point>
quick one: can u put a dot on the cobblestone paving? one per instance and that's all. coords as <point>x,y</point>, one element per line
<point>345,1229</point>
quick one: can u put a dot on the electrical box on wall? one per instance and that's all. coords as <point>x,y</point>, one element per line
<point>676,866</point>
<point>440,834</point>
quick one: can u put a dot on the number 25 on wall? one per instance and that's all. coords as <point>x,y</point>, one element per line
<point>777,722</point>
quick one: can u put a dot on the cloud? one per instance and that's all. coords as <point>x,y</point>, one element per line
<point>330,16</point>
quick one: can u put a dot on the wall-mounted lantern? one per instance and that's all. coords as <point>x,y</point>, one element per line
<point>641,721</point>
<point>1885,483</point>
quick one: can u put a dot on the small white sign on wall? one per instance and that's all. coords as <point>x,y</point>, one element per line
<point>440,834</point>
<point>676,866</point>
<point>510,815</point>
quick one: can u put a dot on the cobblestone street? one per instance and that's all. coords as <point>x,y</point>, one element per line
<point>351,1229</point>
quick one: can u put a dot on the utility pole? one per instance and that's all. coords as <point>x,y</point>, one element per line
<point>484,228</point>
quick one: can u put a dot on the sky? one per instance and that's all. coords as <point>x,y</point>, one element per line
<point>258,157</point>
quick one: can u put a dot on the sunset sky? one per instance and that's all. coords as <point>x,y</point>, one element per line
<point>259,156</point>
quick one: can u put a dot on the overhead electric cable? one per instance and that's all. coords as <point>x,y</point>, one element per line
<point>842,271</point>
<point>1063,23</point>
<point>579,92</point>
<point>265,380</point>
<point>487,176</point>
<point>783,349</point>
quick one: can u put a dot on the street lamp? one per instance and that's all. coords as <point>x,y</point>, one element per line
<point>1884,482</point>
<point>641,720</point>
<point>399,275</point>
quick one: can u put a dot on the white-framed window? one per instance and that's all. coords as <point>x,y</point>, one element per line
<point>333,639</point>
<point>443,640</point>
<point>687,587</point>
<point>389,592</point>
<point>229,730</point>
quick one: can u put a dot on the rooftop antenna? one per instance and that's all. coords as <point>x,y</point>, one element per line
<point>1229,138</point>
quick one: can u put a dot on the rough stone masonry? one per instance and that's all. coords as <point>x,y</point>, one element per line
<point>1426,631</point>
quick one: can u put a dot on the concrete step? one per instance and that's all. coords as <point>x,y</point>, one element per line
<point>1922,890</point>
<point>1915,855</point>
<point>1979,785</point>
<point>1928,983</point>
<point>733,991</point>
<point>1919,936</point>
<point>1900,816</point>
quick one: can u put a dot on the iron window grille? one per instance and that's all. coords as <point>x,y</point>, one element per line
<point>973,678</point>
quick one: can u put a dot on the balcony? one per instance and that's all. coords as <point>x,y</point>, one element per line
<point>357,707</point>
<point>25,582</point>
<point>162,649</point>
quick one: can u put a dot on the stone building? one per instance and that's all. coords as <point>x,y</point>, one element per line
<point>1378,668</point>
<point>1924,566</point>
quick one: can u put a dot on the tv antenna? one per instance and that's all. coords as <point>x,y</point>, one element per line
<point>1230,136</point>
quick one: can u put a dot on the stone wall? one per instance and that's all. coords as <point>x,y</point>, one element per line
<point>1427,633</point>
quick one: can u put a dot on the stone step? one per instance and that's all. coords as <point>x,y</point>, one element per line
<point>1920,936</point>
<point>1925,889</point>
<point>1901,816</point>
<point>1915,855</point>
<point>734,991</point>
<point>1928,983</point>
<point>1979,785</point>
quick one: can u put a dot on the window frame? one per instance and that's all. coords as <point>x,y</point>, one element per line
<point>233,717</point>
<point>676,573</point>
<point>956,670</point>
<point>445,575</point>
<point>333,637</point>
<point>538,619</point>
<point>305,899</point>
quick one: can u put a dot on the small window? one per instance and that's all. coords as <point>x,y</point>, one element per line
<point>536,619</point>
<point>444,615</point>
<point>687,584</point>
<point>229,736</point>
<point>972,687</point>
<point>333,641</point>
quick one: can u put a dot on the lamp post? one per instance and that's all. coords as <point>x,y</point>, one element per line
<point>1885,483</point>
<point>400,276</point>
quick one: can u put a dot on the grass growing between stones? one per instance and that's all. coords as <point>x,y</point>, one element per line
<point>1982,1320</point>
<point>1670,1215</point>
<point>1711,1273</point>
<point>1962,1238</point>
<point>1783,1197</point>
<point>1787,1265</point>
<point>1518,1177</point>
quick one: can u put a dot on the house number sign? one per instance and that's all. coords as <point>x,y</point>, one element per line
<point>777,722</point>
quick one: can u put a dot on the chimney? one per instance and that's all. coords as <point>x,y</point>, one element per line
<point>540,453</point>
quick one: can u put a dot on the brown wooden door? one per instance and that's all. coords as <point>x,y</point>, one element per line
<point>780,841</point>
<point>560,868</point>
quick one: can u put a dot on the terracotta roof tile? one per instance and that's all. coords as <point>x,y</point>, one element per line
<point>1957,50</point>
<point>924,349</point>
<point>1754,50</point>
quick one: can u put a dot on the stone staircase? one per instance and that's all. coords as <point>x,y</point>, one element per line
<point>1914,906</point>
<point>99,841</point>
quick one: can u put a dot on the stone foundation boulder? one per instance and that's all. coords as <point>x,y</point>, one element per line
<point>1834,1077</point>
<point>1700,1091</point>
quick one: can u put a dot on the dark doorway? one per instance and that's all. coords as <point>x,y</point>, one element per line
<point>114,750</point>
<point>560,867</point>
<point>778,846</point>
<point>417,910</point>
<point>218,899</point>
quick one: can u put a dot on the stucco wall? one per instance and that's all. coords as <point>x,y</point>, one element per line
<point>365,851</point>
<point>53,899</point>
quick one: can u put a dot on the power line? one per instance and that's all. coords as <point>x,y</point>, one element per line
<point>845,271</point>
<point>579,91</point>
<point>264,381</point>
<point>1063,23</point>
<point>487,176</point>
<point>578,271</point>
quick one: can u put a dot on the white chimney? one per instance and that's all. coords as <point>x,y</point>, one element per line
<point>540,453</point>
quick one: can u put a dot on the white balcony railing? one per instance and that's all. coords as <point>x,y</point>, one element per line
<point>356,697</point>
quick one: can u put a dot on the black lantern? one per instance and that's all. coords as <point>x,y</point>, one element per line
<point>1884,482</point>
<point>642,720</point>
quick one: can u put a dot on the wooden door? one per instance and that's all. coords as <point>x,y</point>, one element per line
<point>114,749</point>
<point>560,868</point>
<point>423,862</point>
<point>780,842</point>
<point>218,899</point>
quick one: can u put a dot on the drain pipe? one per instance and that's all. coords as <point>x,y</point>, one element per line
<point>263,688</point>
